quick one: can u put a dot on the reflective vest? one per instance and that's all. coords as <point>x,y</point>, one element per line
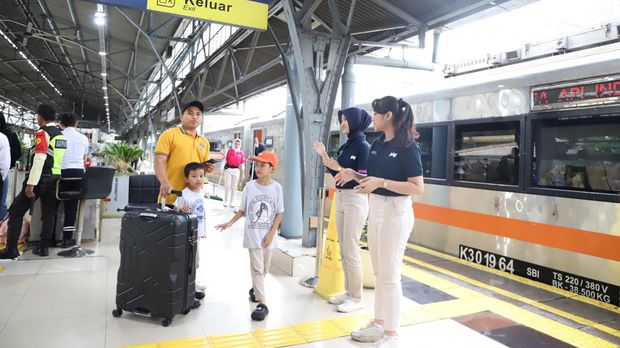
<point>56,149</point>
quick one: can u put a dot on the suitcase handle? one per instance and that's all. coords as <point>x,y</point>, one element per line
<point>148,216</point>
<point>163,199</point>
<point>192,259</point>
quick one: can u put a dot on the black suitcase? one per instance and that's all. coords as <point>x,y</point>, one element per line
<point>157,272</point>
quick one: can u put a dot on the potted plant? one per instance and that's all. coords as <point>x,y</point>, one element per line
<point>121,155</point>
<point>368,274</point>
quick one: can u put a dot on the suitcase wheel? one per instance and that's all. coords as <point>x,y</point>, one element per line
<point>117,313</point>
<point>165,322</point>
<point>187,310</point>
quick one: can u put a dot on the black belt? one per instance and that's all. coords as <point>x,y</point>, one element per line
<point>227,167</point>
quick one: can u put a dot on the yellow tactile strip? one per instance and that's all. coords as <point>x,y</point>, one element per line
<point>468,302</point>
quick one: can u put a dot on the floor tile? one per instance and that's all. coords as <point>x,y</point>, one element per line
<point>42,303</point>
<point>131,329</point>
<point>20,267</point>
<point>422,293</point>
<point>524,337</point>
<point>77,331</point>
<point>15,285</point>
<point>83,264</point>
<point>484,321</point>
<point>8,304</point>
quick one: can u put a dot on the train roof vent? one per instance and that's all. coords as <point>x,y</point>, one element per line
<point>590,38</point>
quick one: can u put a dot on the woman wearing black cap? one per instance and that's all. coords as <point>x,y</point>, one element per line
<point>394,174</point>
<point>351,206</point>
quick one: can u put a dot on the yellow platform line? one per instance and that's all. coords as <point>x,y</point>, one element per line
<point>1,269</point>
<point>480,302</point>
<point>517,278</point>
<point>514,296</point>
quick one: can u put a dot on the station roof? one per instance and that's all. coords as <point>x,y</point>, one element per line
<point>64,45</point>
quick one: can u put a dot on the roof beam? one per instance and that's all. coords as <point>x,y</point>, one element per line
<point>399,12</point>
<point>307,10</point>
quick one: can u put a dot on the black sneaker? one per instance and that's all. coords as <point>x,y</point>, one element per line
<point>195,304</point>
<point>41,251</point>
<point>9,254</point>
<point>260,312</point>
<point>199,295</point>
<point>252,296</point>
<point>67,243</point>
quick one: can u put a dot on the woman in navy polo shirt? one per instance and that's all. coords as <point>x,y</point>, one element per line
<point>394,174</point>
<point>351,206</point>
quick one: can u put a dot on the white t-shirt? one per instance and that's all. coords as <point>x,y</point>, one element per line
<point>5,156</point>
<point>196,201</point>
<point>77,148</point>
<point>260,204</point>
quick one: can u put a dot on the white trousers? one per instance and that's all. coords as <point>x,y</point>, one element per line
<point>260,261</point>
<point>231,179</point>
<point>351,214</point>
<point>389,225</point>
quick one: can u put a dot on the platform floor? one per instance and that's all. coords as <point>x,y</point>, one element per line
<point>56,302</point>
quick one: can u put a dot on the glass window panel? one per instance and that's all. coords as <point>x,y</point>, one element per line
<point>487,153</point>
<point>433,143</point>
<point>577,154</point>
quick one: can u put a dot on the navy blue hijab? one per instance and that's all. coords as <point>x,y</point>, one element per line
<point>358,120</point>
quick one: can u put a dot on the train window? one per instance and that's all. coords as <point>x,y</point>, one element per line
<point>334,144</point>
<point>487,152</point>
<point>580,154</point>
<point>433,144</point>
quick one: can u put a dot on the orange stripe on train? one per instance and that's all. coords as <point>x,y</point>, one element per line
<point>582,241</point>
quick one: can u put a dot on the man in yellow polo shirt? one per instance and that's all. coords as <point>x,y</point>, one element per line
<point>178,146</point>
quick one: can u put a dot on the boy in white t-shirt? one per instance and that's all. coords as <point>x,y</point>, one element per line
<point>192,201</point>
<point>262,203</point>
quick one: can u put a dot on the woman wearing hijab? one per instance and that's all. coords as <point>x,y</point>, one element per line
<point>232,171</point>
<point>351,206</point>
<point>394,174</point>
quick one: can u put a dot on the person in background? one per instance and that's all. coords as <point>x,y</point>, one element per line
<point>258,148</point>
<point>351,206</point>
<point>5,164</point>
<point>15,154</point>
<point>46,158</point>
<point>72,167</point>
<point>262,203</point>
<point>177,147</point>
<point>233,168</point>
<point>394,174</point>
<point>134,164</point>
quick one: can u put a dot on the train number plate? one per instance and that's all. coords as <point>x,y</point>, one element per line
<point>591,288</point>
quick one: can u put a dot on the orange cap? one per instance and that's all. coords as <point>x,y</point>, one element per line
<point>267,157</point>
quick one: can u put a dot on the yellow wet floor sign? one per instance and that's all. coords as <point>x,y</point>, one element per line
<point>331,275</point>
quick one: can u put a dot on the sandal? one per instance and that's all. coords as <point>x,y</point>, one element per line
<point>260,312</point>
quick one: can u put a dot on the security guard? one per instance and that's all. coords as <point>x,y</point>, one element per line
<point>45,161</point>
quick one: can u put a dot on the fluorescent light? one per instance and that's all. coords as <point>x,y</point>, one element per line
<point>100,21</point>
<point>104,74</point>
<point>104,88</point>
<point>105,97</point>
<point>102,53</point>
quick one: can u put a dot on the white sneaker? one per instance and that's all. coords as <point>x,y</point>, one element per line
<point>387,342</point>
<point>338,300</point>
<point>350,305</point>
<point>201,287</point>
<point>370,333</point>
